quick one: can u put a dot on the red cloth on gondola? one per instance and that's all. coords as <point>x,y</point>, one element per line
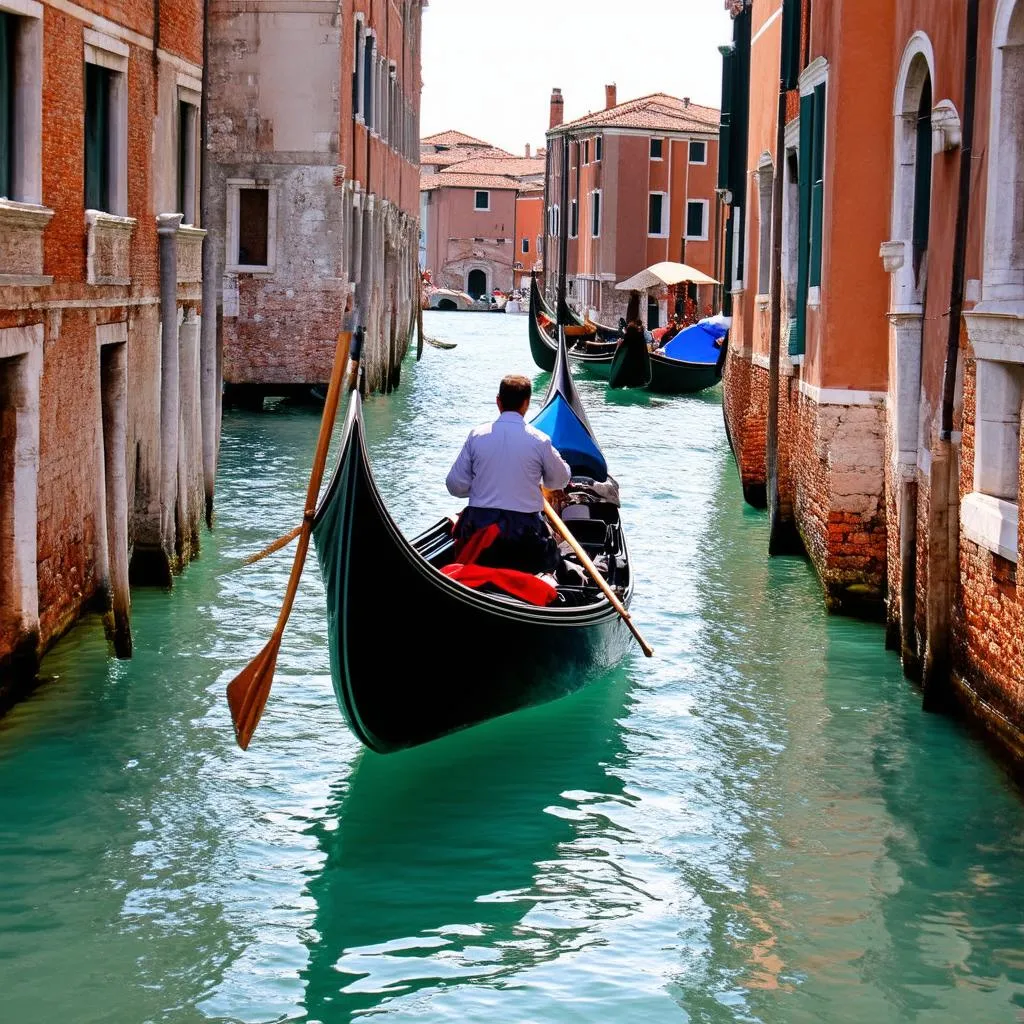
<point>523,585</point>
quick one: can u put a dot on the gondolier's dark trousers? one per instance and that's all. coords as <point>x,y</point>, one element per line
<point>524,543</point>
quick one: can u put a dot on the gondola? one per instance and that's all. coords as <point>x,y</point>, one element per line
<point>690,362</point>
<point>464,656</point>
<point>595,357</point>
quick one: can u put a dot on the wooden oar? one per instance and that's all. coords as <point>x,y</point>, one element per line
<point>248,691</point>
<point>556,522</point>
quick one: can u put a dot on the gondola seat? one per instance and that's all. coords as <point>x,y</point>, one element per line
<point>591,533</point>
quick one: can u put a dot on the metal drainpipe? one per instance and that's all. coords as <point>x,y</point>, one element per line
<point>956,296</point>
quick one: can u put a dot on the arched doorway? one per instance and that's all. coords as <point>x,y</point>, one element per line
<point>476,283</point>
<point>907,260</point>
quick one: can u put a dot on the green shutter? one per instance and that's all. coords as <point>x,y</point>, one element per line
<point>798,335</point>
<point>7,29</point>
<point>791,19</point>
<point>97,94</point>
<point>725,119</point>
<point>817,185</point>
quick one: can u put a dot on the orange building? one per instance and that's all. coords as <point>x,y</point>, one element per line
<point>481,211</point>
<point>894,455</point>
<point>642,177</point>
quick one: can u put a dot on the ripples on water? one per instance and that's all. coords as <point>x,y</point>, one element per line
<point>757,825</point>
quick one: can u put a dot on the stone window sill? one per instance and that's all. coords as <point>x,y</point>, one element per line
<point>108,253</point>
<point>990,523</point>
<point>996,330</point>
<point>21,242</point>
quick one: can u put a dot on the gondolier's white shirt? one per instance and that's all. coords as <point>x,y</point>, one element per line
<point>502,465</point>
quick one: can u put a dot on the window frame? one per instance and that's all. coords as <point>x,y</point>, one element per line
<point>596,211</point>
<point>661,148</point>
<point>26,112</point>
<point>598,148</point>
<point>235,186</point>
<point>477,193</point>
<point>524,246</point>
<point>705,206</point>
<point>111,54</point>
<point>574,219</point>
<point>689,152</point>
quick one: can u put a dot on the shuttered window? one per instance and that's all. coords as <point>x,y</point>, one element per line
<point>817,185</point>
<point>792,11</point>
<point>598,148</point>
<point>696,226</point>
<point>97,138</point>
<point>698,152</point>
<point>595,214</point>
<point>574,219</point>
<point>797,336</point>
<point>8,28</point>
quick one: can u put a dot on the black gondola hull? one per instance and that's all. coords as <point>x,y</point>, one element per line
<point>677,377</point>
<point>543,347</point>
<point>452,657</point>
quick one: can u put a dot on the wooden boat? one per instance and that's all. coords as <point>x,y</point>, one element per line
<point>667,374</point>
<point>595,357</point>
<point>463,656</point>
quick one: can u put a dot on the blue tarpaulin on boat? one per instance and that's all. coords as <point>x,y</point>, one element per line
<point>696,344</point>
<point>570,437</point>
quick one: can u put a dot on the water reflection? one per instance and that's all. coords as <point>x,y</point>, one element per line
<point>473,858</point>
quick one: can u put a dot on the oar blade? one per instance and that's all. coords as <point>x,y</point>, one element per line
<point>248,692</point>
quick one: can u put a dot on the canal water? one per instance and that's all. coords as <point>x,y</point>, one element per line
<point>759,824</point>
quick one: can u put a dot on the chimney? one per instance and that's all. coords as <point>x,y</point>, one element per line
<point>527,151</point>
<point>686,101</point>
<point>610,96</point>
<point>556,108</point>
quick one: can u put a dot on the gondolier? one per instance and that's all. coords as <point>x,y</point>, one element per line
<point>500,470</point>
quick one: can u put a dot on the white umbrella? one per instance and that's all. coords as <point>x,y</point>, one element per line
<point>660,274</point>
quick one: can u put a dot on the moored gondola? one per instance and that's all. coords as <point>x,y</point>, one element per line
<point>595,356</point>
<point>690,362</point>
<point>465,655</point>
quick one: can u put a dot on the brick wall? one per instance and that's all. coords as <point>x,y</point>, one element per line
<point>838,501</point>
<point>745,402</point>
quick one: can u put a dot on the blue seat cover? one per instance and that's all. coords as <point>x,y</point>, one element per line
<point>571,438</point>
<point>696,344</point>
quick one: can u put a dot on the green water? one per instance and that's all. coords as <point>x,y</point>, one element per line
<point>759,824</point>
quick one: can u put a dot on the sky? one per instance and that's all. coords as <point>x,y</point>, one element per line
<point>489,65</point>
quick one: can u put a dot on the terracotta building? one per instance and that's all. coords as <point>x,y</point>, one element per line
<point>642,178</point>
<point>108,428</point>
<point>480,214</point>
<point>313,186</point>
<point>894,452</point>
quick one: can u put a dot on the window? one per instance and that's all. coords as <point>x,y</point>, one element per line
<point>574,219</point>
<point>188,121</point>
<point>697,219</point>
<point>526,245</point>
<point>595,213</point>
<point>20,106</point>
<point>598,147</point>
<point>482,200</point>
<point>656,149</point>
<point>369,79</point>
<point>252,226</point>
<point>656,209</point>
<point>106,124</point>
<point>97,138</point>
<point>357,70</point>
<point>253,217</point>
<point>698,152</point>
<point>586,151</point>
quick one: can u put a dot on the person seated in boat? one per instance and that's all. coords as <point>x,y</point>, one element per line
<point>671,331</point>
<point>501,469</point>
